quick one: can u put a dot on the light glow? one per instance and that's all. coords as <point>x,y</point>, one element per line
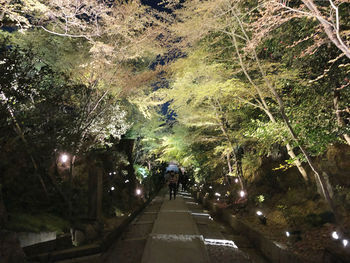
<point>345,242</point>
<point>287,234</point>
<point>259,213</point>
<point>335,235</point>
<point>210,187</point>
<point>112,188</point>
<point>220,242</point>
<point>217,194</point>
<point>236,180</point>
<point>64,158</point>
<point>242,193</point>
<point>138,191</point>
<point>126,181</point>
<point>200,214</point>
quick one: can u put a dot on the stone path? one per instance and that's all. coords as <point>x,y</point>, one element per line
<point>180,231</point>
<point>175,236</point>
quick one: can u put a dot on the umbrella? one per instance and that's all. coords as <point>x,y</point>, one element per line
<point>172,167</point>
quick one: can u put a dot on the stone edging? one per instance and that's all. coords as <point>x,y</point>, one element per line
<point>273,251</point>
<point>90,249</point>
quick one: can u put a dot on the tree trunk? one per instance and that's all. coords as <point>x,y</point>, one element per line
<point>267,110</point>
<point>297,162</point>
<point>332,33</point>
<point>53,174</point>
<point>319,178</point>
<point>20,133</point>
<point>229,167</point>
<point>95,191</point>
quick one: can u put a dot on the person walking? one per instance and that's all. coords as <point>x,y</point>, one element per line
<point>173,180</point>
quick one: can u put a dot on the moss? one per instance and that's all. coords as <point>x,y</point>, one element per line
<point>20,222</point>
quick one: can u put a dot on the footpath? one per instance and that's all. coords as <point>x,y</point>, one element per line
<point>175,236</point>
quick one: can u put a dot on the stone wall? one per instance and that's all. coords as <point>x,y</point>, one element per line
<point>29,238</point>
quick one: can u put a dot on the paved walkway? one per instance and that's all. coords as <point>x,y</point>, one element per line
<point>180,231</point>
<point>175,236</point>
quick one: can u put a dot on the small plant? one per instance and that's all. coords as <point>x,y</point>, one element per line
<point>260,198</point>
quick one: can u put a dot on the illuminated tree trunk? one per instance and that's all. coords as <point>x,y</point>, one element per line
<point>224,132</point>
<point>263,105</point>
<point>318,176</point>
<point>331,29</point>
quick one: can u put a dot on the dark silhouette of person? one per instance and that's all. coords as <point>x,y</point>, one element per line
<point>172,182</point>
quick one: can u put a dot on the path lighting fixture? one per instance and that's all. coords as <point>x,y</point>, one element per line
<point>261,217</point>
<point>335,235</point>
<point>64,158</point>
<point>110,173</point>
<point>217,194</point>
<point>138,191</point>
<point>114,173</point>
<point>112,188</point>
<point>287,234</point>
<point>242,193</point>
<point>236,180</point>
<point>210,187</point>
<point>345,242</point>
<point>218,199</point>
<point>195,184</point>
<point>126,181</point>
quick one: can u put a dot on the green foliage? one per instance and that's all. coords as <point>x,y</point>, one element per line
<point>20,222</point>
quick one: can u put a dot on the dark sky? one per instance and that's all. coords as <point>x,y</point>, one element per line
<point>155,4</point>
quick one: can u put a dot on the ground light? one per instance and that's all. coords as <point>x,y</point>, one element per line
<point>112,188</point>
<point>64,158</point>
<point>217,194</point>
<point>335,235</point>
<point>138,191</point>
<point>241,193</point>
<point>287,234</point>
<point>261,217</point>
<point>236,180</point>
